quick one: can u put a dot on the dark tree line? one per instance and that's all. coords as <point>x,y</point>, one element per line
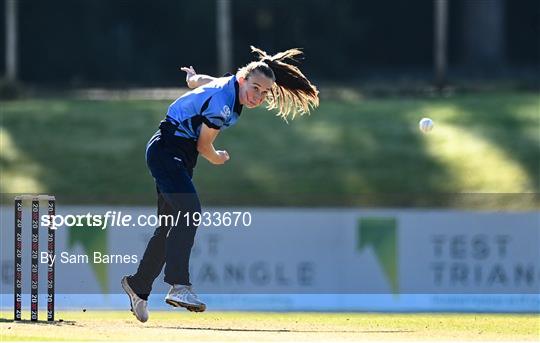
<point>143,42</point>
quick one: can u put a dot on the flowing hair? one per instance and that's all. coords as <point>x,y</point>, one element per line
<point>292,92</point>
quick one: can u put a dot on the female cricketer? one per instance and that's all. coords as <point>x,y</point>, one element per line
<point>190,127</point>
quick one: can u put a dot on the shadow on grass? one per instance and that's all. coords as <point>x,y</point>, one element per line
<point>497,122</point>
<point>367,153</point>
<point>86,151</point>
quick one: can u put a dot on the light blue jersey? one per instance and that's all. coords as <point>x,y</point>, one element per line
<point>216,104</point>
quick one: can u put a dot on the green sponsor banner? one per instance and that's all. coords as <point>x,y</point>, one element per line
<point>91,239</point>
<point>380,233</point>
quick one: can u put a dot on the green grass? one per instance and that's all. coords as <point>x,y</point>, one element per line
<point>347,153</point>
<point>256,326</point>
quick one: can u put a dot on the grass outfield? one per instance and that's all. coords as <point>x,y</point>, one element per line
<point>253,326</point>
<point>347,153</point>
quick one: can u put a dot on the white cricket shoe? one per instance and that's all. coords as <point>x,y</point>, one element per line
<point>183,296</point>
<point>139,307</point>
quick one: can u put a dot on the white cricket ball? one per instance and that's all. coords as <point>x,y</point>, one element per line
<point>425,125</point>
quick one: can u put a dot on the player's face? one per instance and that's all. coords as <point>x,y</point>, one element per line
<point>254,89</point>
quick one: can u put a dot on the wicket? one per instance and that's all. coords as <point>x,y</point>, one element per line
<point>34,277</point>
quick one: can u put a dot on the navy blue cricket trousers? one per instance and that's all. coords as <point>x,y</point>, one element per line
<point>170,245</point>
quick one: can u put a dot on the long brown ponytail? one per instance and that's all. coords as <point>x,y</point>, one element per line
<point>292,93</point>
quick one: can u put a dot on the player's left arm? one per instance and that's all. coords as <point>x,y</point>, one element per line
<point>205,146</point>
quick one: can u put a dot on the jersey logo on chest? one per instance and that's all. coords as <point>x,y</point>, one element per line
<point>226,112</point>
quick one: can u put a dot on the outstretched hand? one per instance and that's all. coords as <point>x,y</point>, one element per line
<point>190,72</point>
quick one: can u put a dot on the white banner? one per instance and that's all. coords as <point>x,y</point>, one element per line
<point>307,259</point>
